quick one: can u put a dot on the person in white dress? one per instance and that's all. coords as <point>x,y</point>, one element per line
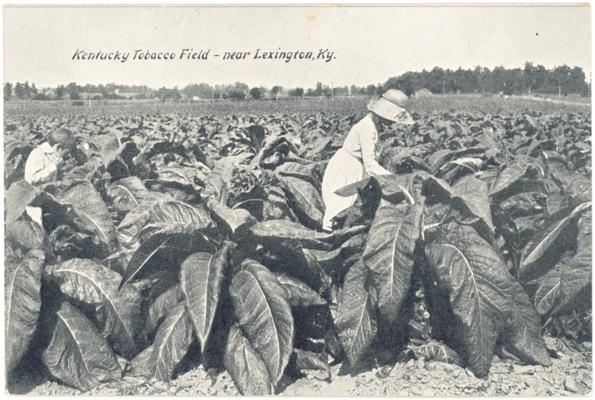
<point>357,158</point>
<point>43,164</point>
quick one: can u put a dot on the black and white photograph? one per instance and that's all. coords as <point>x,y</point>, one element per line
<point>302,200</point>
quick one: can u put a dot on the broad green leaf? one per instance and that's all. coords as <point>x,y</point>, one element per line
<point>128,193</point>
<point>523,336</point>
<point>306,200</point>
<point>117,311</point>
<point>244,364</point>
<point>462,196</point>
<point>233,220</point>
<point>18,196</point>
<point>161,306</point>
<point>264,315</point>
<point>510,174</point>
<point>89,211</point>
<point>483,296</point>
<point>108,145</point>
<point>25,235</point>
<point>356,320</point>
<point>281,229</point>
<point>175,211</point>
<point>440,157</point>
<point>547,235</point>
<point>475,192</point>
<point>78,354</point>
<point>172,341</point>
<point>201,278</point>
<point>22,302</point>
<point>176,240</point>
<point>298,293</point>
<point>139,365</point>
<point>389,254</point>
<point>559,287</point>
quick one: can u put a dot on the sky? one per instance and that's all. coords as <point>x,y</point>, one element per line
<point>370,44</point>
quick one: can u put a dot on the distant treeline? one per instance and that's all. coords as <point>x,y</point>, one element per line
<point>531,79</point>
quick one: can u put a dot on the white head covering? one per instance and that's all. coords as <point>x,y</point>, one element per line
<point>390,106</point>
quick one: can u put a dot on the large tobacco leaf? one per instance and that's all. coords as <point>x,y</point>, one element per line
<point>18,196</point>
<point>246,367</point>
<point>233,220</point>
<point>305,200</point>
<point>559,287</point>
<point>89,212</point>
<point>523,336</point>
<point>22,302</point>
<point>298,293</point>
<point>117,311</point>
<point>510,174</point>
<point>78,354</point>
<point>201,278</point>
<point>161,305</point>
<point>547,235</point>
<point>389,254</point>
<point>128,193</point>
<point>108,145</point>
<point>172,341</point>
<point>173,240</point>
<point>282,229</point>
<point>356,315</point>
<point>174,211</point>
<point>289,257</point>
<point>438,158</point>
<point>469,195</point>
<point>139,365</point>
<point>484,298</point>
<point>25,235</point>
<point>164,214</point>
<point>263,313</point>
<point>305,172</point>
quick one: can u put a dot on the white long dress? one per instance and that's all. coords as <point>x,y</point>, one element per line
<point>351,163</point>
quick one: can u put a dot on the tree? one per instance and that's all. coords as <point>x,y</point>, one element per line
<point>371,90</point>
<point>73,90</point>
<point>19,91</point>
<point>168,94</point>
<point>577,81</point>
<point>319,89</point>
<point>7,91</point>
<point>60,91</point>
<point>563,75</point>
<point>275,91</point>
<point>237,91</point>
<point>297,92</point>
<point>256,93</point>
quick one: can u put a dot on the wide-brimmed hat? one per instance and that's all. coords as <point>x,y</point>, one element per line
<point>391,106</point>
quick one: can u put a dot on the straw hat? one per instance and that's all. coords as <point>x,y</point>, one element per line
<point>391,106</point>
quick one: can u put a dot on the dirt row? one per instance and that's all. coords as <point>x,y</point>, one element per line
<point>570,374</point>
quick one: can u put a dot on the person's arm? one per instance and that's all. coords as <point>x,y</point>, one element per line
<point>368,140</point>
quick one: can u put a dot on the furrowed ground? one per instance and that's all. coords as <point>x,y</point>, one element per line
<point>228,193</point>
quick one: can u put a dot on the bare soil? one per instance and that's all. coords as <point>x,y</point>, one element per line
<point>570,374</point>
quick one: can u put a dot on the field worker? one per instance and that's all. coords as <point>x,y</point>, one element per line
<point>44,161</point>
<point>357,158</point>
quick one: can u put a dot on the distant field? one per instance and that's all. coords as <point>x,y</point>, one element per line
<point>449,103</point>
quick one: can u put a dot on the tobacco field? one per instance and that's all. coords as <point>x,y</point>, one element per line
<point>189,241</point>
